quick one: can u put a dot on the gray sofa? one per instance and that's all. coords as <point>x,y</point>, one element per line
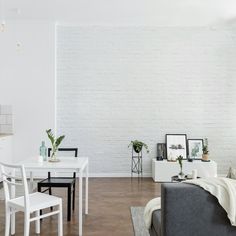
<point>188,210</point>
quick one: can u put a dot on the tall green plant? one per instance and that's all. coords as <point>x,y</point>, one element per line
<point>205,147</point>
<point>54,141</point>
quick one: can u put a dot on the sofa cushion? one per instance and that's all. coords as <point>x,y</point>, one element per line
<point>156,221</point>
<point>189,210</point>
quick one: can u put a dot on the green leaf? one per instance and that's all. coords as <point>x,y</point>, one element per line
<point>59,140</point>
<point>50,136</point>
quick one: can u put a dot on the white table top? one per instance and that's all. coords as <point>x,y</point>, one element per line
<point>72,163</point>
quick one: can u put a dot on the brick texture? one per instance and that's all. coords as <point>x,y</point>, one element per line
<point>116,84</point>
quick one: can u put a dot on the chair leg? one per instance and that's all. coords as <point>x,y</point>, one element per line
<point>50,193</point>
<point>69,204</point>
<point>73,197</point>
<point>7,221</point>
<point>60,220</point>
<point>37,223</point>
<point>26,224</point>
<point>13,224</point>
<point>39,190</point>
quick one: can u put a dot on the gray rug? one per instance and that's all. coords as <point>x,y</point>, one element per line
<point>138,221</point>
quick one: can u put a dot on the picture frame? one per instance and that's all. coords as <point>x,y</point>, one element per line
<point>195,147</point>
<point>176,145</point>
<point>161,150</point>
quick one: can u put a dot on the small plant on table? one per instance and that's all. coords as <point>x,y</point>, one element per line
<point>55,144</point>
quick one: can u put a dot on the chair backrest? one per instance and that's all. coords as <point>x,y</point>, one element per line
<point>75,150</point>
<point>11,180</point>
<point>71,150</point>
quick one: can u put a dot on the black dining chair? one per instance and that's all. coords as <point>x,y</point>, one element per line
<point>61,182</point>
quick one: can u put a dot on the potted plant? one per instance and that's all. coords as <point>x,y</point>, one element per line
<point>138,146</point>
<point>180,161</point>
<point>55,144</point>
<point>205,150</point>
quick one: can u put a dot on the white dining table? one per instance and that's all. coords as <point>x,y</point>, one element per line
<point>66,164</point>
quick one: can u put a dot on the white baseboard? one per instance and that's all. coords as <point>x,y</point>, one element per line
<point>115,175</point>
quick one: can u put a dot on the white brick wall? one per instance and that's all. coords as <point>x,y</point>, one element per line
<point>116,84</point>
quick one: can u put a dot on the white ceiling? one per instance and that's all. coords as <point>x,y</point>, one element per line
<point>124,12</point>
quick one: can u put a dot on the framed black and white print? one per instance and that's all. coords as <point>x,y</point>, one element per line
<point>195,147</point>
<point>161,150</point>
<point>176,145</point>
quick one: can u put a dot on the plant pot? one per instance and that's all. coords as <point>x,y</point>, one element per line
<point>181,175</point>
<point>205,157</point>
<point>53,158</point>
<point>136,149</point>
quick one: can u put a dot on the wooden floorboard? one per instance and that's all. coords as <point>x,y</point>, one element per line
<point>109,208</point>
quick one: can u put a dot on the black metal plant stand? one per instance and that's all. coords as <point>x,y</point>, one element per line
<point>136,163</point>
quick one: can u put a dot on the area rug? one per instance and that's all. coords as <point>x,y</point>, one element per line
<point>138,221</point>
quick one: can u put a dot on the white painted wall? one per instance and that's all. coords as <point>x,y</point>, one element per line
<point>117,84</point>
<point>27,82</point>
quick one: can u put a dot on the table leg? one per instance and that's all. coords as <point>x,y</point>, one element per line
<point>80,202</point>
<point>13,215</point>
<point>86,191</point>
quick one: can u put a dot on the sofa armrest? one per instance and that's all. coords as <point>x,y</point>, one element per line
<point>190,210</point>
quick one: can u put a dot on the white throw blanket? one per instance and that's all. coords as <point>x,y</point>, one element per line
<point>151,206</point>
<point>224,189</point>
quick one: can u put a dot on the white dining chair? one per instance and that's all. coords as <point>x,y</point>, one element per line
<point>29,203</point>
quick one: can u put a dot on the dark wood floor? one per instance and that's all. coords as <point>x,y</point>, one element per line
<point>109,208</point>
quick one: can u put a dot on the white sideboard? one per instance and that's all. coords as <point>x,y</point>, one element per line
<point>162,171</point>
<point>5,149</point>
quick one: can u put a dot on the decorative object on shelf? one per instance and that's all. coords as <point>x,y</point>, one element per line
<point>159,158</point>
<point>43,151</point>
<point>176,145</point>
<point>55,144</point>
<point>181,175</point>
<point>176,178</point>
<point>136,162</point>
<point>189,176</point>
<point>231,173</point>
<point>138,146</point>
<point>205,155</point>
<point>161,151</point>
<point>194,173</point>
<point>195,149</point>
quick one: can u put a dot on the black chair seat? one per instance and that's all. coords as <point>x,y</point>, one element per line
<point>54,181</point>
